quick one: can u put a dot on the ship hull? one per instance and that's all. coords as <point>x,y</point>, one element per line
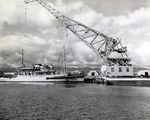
<point>40,79</point>
<point>133,81</point>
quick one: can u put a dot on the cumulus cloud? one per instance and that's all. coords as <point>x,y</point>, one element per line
<point>43,42</point>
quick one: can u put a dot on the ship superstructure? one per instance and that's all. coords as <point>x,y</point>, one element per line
<point>37,69</point>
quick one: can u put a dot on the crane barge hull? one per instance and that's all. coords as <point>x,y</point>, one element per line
<point>130,81</point>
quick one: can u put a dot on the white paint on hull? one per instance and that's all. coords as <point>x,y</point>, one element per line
<point>39,78</point>
<point>126,79</point>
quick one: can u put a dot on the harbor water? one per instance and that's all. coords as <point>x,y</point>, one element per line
<point>73,101</point>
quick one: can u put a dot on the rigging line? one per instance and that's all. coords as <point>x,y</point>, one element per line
<point>57,25</point>
<point>25,20</point>
<point>66,31</point>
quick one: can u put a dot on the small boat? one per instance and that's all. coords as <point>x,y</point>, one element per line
<point>69,75</point>
<point>66,75</point>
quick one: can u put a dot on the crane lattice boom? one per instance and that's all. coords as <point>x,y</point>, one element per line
<point>102,44</point>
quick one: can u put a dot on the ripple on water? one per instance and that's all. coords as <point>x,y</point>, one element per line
<point>76,102</point>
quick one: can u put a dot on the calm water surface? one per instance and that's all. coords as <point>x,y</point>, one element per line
<point>49,101</point>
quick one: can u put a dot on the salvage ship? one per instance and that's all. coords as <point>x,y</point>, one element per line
<point>40,73</point>
<point>36,72</point>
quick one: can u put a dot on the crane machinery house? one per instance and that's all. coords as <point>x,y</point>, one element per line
<point>119,70</point>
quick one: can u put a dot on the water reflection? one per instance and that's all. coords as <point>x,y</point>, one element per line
<point>37,83</point>
<point>68,84</point>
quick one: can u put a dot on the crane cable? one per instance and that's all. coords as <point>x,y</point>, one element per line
<point>25,19</point>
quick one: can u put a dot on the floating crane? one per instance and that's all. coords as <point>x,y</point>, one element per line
<point>112,53</point>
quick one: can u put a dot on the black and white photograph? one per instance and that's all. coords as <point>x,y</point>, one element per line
<point>74,60</point>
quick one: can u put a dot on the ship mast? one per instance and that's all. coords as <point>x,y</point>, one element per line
<point>64,59</point>
<point>22,58</point>
<point>58,65</point>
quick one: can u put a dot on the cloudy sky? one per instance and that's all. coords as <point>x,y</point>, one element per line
<point>42,37</point>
